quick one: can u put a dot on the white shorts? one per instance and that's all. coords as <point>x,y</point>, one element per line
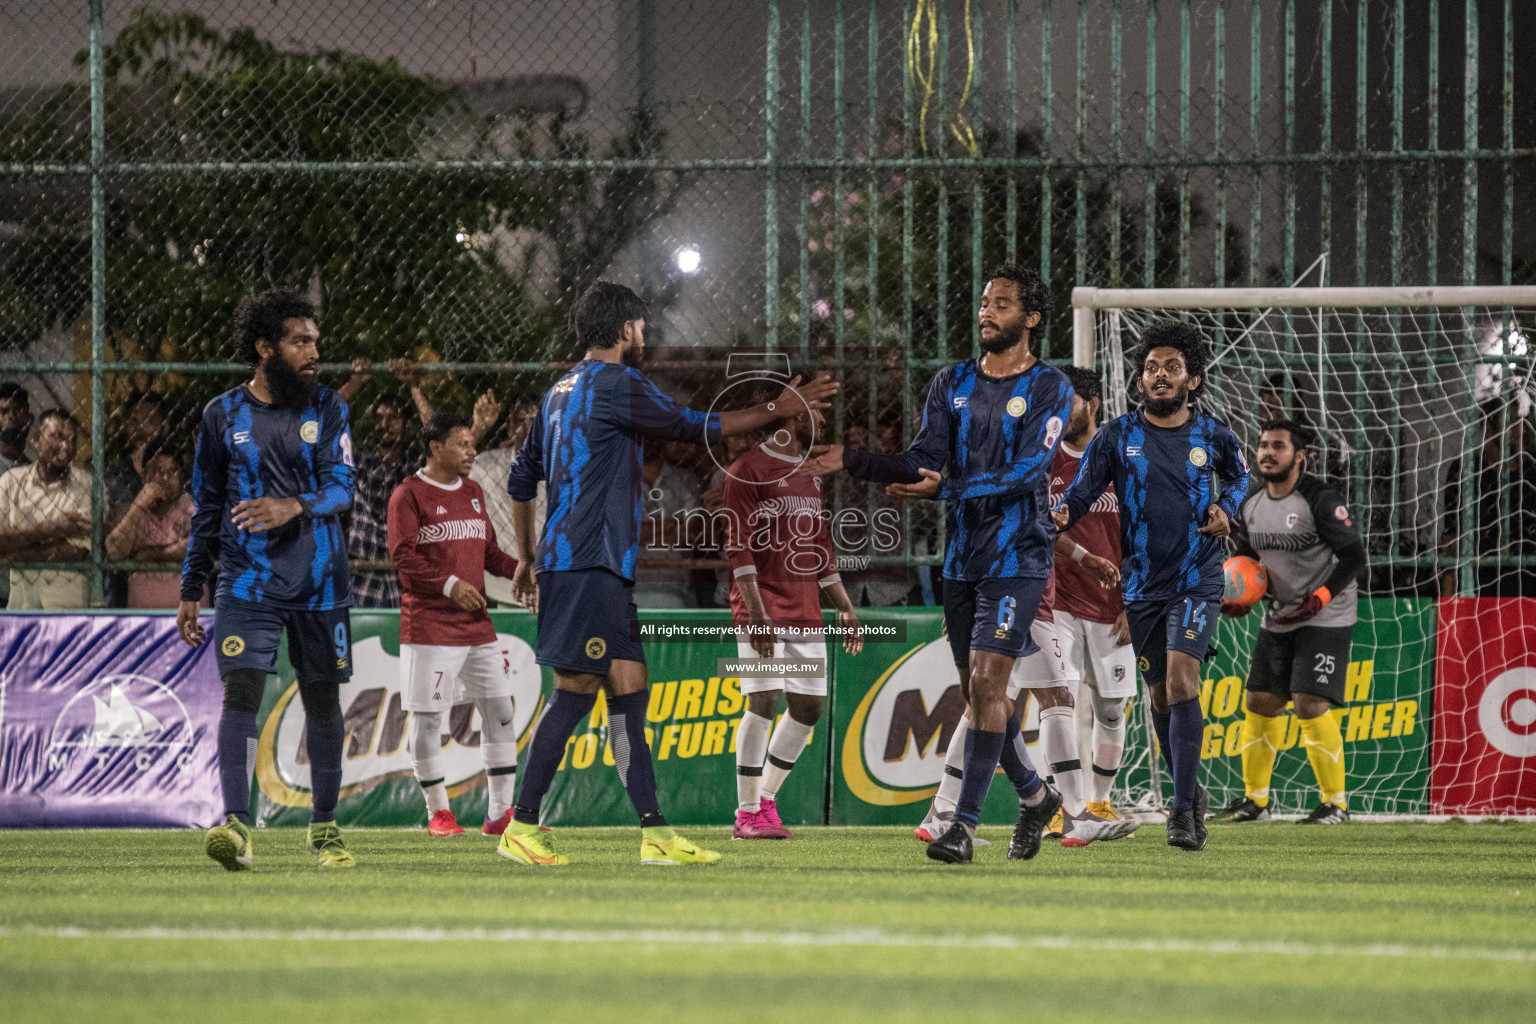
<point>811,686</point>
<point>1090,649</point>
<point>436,678</point>
<point>1047,667</point>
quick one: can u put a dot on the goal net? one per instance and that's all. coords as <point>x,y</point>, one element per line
<point>1421,400</point>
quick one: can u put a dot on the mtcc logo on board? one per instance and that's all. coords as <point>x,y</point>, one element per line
<point>121,713</point>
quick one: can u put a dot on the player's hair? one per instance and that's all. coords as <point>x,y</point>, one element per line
<point>1087,384</point>
<point>1302,437</point>
<point>390,399</point>
<point>56,413</point>
<point>601,313</point>
<point>10,389</point>
<point>1034,293</point>
<point>1174,334</point>
<point>264,317</point>
<point>440,426</point>
<point>166,447</point>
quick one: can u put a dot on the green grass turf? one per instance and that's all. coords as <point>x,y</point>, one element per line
<point>1064,929</point>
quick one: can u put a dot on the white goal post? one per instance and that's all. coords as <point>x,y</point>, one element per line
<point>1086,300</point>
<point>1420,405</point>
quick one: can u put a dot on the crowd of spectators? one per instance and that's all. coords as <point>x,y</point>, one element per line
<point>46,500</point>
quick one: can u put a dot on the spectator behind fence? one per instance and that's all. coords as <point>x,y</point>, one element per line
<point>144,430</point>
<point>45,516</point>
<point>668,493</point>
<point>491,471</point>
<point>15,428</point>
<point>379,471</point>
<point>155,527</point>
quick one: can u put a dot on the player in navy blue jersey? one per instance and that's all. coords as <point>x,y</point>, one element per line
<point>271,478</point>
<point>1180,474</point>
<point>587,447</point>
<point>992,423</point>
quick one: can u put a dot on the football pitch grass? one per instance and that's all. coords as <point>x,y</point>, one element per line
<point>1273,922</point>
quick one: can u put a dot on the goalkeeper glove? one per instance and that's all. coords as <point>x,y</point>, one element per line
<point>1315,602</point>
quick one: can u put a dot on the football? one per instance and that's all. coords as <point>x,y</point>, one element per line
<point>1245,580</point>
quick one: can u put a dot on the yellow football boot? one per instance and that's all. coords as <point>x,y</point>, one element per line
<point>325,840</point>
<point>525,844</point>
<point>1053,830</point>
<point>673,850</point>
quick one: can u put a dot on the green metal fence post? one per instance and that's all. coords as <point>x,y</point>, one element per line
<point>771,181</point>
<point>98,306</point>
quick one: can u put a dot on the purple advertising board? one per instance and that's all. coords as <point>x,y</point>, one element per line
<point>106,720</point>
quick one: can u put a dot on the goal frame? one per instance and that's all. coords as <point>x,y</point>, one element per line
<point>1087,302</point>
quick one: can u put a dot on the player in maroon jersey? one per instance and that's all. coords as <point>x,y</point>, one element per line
<point>781,563</point>
<point>442,543</point>
<point>1090,616</point>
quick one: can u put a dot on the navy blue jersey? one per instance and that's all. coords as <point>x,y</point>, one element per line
<point>995,436</point>
<point>249,449</point>
<point>587,447</point>
<point>1166,479</point>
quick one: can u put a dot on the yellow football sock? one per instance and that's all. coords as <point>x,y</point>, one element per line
<point>1325,749</point>
<point>1259,742</point>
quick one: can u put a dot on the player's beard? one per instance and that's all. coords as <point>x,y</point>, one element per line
<point>1276,476</point>
<point>1004,339</point>
<point>290,388</point>
<point>1170,405</point>
<point>632,356</point>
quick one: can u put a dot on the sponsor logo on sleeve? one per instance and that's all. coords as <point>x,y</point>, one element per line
<point>1342,515</point>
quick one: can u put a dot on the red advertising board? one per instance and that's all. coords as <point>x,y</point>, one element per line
<point>1483,759</point>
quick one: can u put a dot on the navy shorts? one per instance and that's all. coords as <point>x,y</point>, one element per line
<point>246,635</point>
<point>1186,624</point>
<point>587,620</point>
<point>992,615</point>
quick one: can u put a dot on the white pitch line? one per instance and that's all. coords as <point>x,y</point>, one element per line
<point>868,938</point>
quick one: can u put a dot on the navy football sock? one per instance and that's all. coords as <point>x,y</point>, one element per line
<point>1186,727</point>
<point>982,751</point>
<point>323,740</point>
<point>565,710</point>
<point>1160,725</point>
<point>632,757</point>
<point>1015,762</point>
<point>237,758</point>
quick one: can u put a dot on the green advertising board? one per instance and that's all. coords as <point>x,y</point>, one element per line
<point>692,721</point>
<point>878,755</point>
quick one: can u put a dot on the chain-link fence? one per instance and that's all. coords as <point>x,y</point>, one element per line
<point>825,178</point>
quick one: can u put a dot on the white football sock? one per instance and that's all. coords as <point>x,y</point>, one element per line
<point>1058,741</point>
<point>498,749</point>
<point>751,752</point>
<point>948,796</point>
<point>789,740</point>
<point>427,749</point>
<point>1108,742</point>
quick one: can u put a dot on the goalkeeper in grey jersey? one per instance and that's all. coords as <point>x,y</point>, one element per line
<point>1301,531</point>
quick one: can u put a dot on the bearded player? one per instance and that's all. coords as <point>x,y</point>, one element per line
<point>271,477</point>
<point>1179,475</point>
<point>587,447</point>
<point>993,422</point>
<point>442,543</point>
<point>1090,620</point>
<point>1301,531</point>
<point>781,563</point>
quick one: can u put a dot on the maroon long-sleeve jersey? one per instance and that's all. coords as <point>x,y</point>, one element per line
<point>439,533</point>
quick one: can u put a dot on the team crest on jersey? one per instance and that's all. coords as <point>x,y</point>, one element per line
<point>596,647</point>
<point>232,646</point>
<point>310,431</point>
<point>1143,664</point>
<point>1016,406</point>
<point>1290,520</point>
<point>1198,456</point>
<point>1119,672</point>
<point>474,503</point>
